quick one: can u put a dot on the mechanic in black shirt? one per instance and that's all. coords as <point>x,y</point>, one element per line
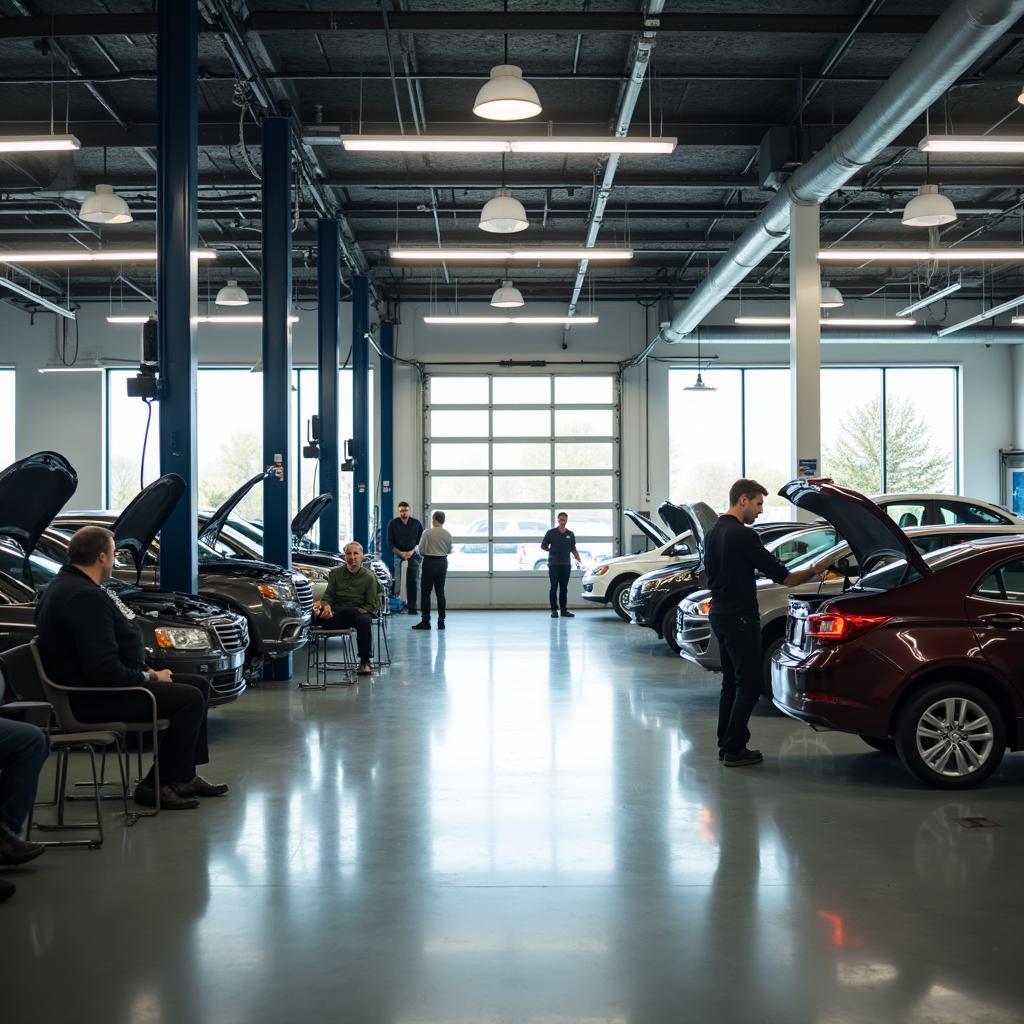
<point>404,534</point>
<point>560,543</point>
<point>733,553</point>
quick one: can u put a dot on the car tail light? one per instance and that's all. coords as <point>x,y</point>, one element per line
<point>836,627</point>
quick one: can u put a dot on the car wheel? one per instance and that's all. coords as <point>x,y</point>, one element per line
<point>951,736</point>
<point>883,746</point>
<point>619,598</point>
<point>668,627</point>
<point>537,566</point>
<point>771,646</point>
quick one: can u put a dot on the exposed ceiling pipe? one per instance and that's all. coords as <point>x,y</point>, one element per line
<point>730,335</point>
<point>630,94</point>
<point>961,35</point>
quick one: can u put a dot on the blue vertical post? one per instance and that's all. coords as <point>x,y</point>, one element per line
<point>328,283</point>
<point>177,274</point>
<point>387,433</point>
<point>361,483</point>
<point>277,350</point>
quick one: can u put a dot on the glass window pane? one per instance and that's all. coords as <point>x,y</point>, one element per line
<point>584,390</point>
<point>458,390</point>
<point>583,488</point>
<point>460,489</point>
<point>522,423</point>
<point>584,456</point>
<point>522,391</point>
<point>851,428</point>
<point>473,557</point>
<point>6,417</point>
<point>768,432</point>
<point>522,522</point>
<point>590,522</point>
<point>126,426</point>
<point>458,456</point>
<point>584,423</point>
<point>704,462</point>
<point>509,556</point>
<point>522,456</point>
<point>522,488</point>
<point>451,423</point>
<point>466,522</point>
<point>920,429</point>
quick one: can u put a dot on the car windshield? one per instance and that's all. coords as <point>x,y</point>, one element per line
<point>793,548</point>
<point>896,574</point>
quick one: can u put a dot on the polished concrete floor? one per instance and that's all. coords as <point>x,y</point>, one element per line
<point>523,821</point>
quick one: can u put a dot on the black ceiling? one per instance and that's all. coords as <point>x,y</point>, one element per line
<point>719,79</point>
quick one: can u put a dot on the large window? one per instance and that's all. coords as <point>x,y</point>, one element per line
<point>505,453</point>
<point>6,416</point>
<point>882,429</point>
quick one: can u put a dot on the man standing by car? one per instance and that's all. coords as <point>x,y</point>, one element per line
<point>404,534</point>
<point>733,554</point>
<point>351,600</point>
<point>560,542</point>
<point>435,547</point>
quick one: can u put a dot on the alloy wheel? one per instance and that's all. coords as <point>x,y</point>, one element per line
<point>954,736</point>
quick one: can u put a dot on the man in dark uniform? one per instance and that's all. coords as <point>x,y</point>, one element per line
<point>733,553</point>
<point>560,542</point>
<point>404,534</point>
<point>88,637</point>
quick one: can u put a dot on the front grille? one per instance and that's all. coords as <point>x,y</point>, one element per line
<point>233,633</point>
<point>304,592</point>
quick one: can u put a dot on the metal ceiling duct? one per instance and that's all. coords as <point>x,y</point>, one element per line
<point>959,37</point>
<point>732,335</point>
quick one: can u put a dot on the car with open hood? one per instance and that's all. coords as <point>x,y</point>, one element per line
<point>276,603</point>
<point>181,632</point>
<point>923,654</point>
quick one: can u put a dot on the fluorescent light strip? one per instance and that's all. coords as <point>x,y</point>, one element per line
<point>972,144</point>
<point>985,314</point>
<point>833,321</point>
<point>929,299</point>
<point>503,255</point>
<point>95,256</point>
<point>504,144</point>
<point>920,255</point>
<point>71,369</point>
<point>500,321</point>
<point>224,319</point>
<point>38,143</point>
<point>27,293</point>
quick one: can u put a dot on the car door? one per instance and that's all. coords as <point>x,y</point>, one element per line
<point>995,610</point>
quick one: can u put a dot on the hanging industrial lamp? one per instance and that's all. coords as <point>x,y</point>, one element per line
<point>831,298</point>
<point>105,206</point>
<point>232,295</point>
<point>503,215</point>
<point>508,296</point>
<point>928,209</point>
<point>506,96</point>
<point>698,384</point>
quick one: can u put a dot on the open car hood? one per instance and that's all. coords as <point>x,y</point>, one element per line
<point>209,530</point>
<point>871,534</point>
<point>137,526</point>
<point>307,516</point>
<point>32,491</point>
<point>646,527</point>
<point>697,519</point>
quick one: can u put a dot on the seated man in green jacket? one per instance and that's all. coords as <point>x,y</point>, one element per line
<point>351,599</point>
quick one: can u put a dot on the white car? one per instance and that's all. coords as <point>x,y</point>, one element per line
<point>944,509</point>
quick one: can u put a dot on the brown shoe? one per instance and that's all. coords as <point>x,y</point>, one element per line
<point>17,851</point>
<point>200,787</point>
<point>145,796</point>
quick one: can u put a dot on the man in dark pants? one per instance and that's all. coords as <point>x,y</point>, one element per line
<point>88,637</point>
<point>351,600</point>
<point>23,751</point>
<point>435,547</point>
<point>560,542</point>
<point>404,534</point>
<point>733,553</point>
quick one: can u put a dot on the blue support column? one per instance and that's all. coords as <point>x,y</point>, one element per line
<point>328,289</point>
<point>387,433</point>
<point>277,351</point>
<point>177,274</point>
<point>361,482</point>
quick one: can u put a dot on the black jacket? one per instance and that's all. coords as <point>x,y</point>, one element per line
<point>86,636</point>
<point>404,536</point>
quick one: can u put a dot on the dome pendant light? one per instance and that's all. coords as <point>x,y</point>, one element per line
<point>232,295</point>
<point>104,206</point>
<point>508,296</point>
<point>503,215</point>
<point>698,384</point>
<point>928,209</point>
<point>506,96</point>
<point>831,298</point>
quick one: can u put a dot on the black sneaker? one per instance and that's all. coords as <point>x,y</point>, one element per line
<point>412,611</point>
<point>424,624</point>
<point>566,614</point>
<point>440,623</point>
<point>145,796</point>
<point>743,758</point>
<point>554,615</point>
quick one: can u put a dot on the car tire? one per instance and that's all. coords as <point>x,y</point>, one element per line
<point>970,755</point>
<point>668,627</point>
<point>539,566</point>
<point>619,596</point>
<point>768,652</point>
<point>883,746</point>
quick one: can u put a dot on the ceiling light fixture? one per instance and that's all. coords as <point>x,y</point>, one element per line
<point>830,298</point>
<point>929,299</point>
<point>38,143</point>
<point>985,314</point>
<point>698,384</point>
<point>94,256</point>
<point>503,215</point>
<point>835,321</point>
<point>105,206</point>
<point>502,255</point>
<point>232,295</point>
<point>928,209</point>
<point>39,300</point>
<point>499,321</point>
<point>506,96</point>
<point>225,318</point>
<point>508,296</point>
<point>972,144</point>
<point>511,144</point>
<point>921,255</point>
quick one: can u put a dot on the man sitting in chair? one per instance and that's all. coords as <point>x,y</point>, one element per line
<point>23,750</point>
<point>88,637</point>
<point>351,600</point>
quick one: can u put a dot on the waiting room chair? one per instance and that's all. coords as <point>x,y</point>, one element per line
<point>318,663</point>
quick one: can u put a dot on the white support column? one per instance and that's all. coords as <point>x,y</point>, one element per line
<point>805,341</point>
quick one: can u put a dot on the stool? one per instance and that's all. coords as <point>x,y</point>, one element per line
<point>319,664</point>
<point>382,649</point>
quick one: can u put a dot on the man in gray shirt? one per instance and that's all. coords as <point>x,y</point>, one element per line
<point>435,546</point>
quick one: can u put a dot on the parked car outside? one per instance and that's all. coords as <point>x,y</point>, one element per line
<point>515,543</point>
<point>936,509</point>
<point>923,655</point>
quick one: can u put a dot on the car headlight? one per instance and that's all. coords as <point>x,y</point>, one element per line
<point>650,585</point>
<point>597,570</point>
<point>314,575</point>
<point>277,591</point>
<point>183,639</point>
<point>702,608</point>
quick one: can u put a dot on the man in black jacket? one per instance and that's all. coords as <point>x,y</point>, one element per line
<point>88,637</point>
<point>560,542</point>
<point>404,534</point>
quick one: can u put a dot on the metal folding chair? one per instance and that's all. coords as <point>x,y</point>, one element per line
<point>318,664</point>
